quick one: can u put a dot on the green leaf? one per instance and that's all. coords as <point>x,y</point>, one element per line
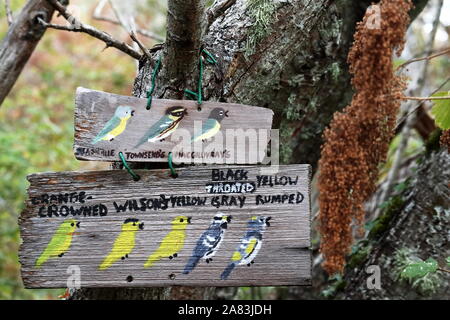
<point>401,187</point>
<point>398,62</point>
<point>448,261</point>
<point>419,269</point>
<point>441,110</point>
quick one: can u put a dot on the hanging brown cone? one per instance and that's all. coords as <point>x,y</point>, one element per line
<point>358,138</point>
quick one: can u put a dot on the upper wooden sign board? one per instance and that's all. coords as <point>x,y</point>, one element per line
<point>221,133</point>
<point>210,226</point>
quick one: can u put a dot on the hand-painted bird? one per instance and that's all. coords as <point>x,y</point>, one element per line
<point>164,126</point>
<point>172,243</point>
<point>124,243</point>
<point>211,125</point>
<point>209,242</point>
<point>60,242</point>
<point>116,125</point>
<point>249,246</point>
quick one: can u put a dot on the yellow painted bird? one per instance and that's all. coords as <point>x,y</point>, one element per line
<point>172,243</point>
<point>250,244</point>
<point>60,242</point>
<point>124,243</point>
<point>116,125</point>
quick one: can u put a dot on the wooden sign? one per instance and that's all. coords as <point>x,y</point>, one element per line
<point>210,226</point>
<point>106,124</point>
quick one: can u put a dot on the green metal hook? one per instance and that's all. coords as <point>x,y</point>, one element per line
<point>172,170</point>
<point>135,176</point>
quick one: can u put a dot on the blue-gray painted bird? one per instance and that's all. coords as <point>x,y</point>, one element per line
<point>116,125</point>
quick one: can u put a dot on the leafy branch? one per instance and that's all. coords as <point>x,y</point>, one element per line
<point>441,108</point>
<point>420,269</point>
<point>421,103</point>
<point>420,274</point>
<point>427,58</point>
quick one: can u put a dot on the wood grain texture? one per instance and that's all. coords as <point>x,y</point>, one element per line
<point>242,139</point>
<point>284,257</point>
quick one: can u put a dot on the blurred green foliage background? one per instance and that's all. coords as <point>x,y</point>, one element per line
<point>36,122</point>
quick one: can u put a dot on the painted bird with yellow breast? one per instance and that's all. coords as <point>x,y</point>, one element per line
<point>172,243</point>
<point>164,126</point>
<point>211,126</point>
<point>116,125</point>
<point>60,242</point>
<point>249,246</point>
<point>124,243</point>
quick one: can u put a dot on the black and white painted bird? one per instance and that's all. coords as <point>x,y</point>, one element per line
<point>209,242</point>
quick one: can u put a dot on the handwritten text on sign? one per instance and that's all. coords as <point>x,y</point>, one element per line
<point>209,226</point>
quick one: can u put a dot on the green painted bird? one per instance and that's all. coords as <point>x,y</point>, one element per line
<point>116,125</point>
<point>124,243</point>
<point>172,243</point>
<point>211,125</point>
<point>164,126</point>
<point>60,242</point>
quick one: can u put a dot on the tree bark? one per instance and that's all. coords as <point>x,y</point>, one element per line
<point>416,220</point>
<point>298,67</point>
<point>18,45</point>
<point>421,223</point>
<point>295,64</point>
<point>185,27</point>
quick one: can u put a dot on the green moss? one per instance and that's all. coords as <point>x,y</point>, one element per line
<point>292,110</point>
<point>335,71</point>
<point>359,255</point>
<point>381,224</point>
<point>432,143</point>
<point>285,142</point>
<point>337,284</point>
<point>263,13</point>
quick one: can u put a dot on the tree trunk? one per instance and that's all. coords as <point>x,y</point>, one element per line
<point>417,223</point>
<point>18,45</point>
<point>292,59</point>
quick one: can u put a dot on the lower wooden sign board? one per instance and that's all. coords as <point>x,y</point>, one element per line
<point>210,226</point>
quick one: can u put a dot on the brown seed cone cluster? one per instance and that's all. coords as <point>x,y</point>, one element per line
<point>358,138</point>
<point>445,139</point>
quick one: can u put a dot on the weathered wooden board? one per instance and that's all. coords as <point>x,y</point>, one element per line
<point>106,124</point>
<point>100,203</point>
